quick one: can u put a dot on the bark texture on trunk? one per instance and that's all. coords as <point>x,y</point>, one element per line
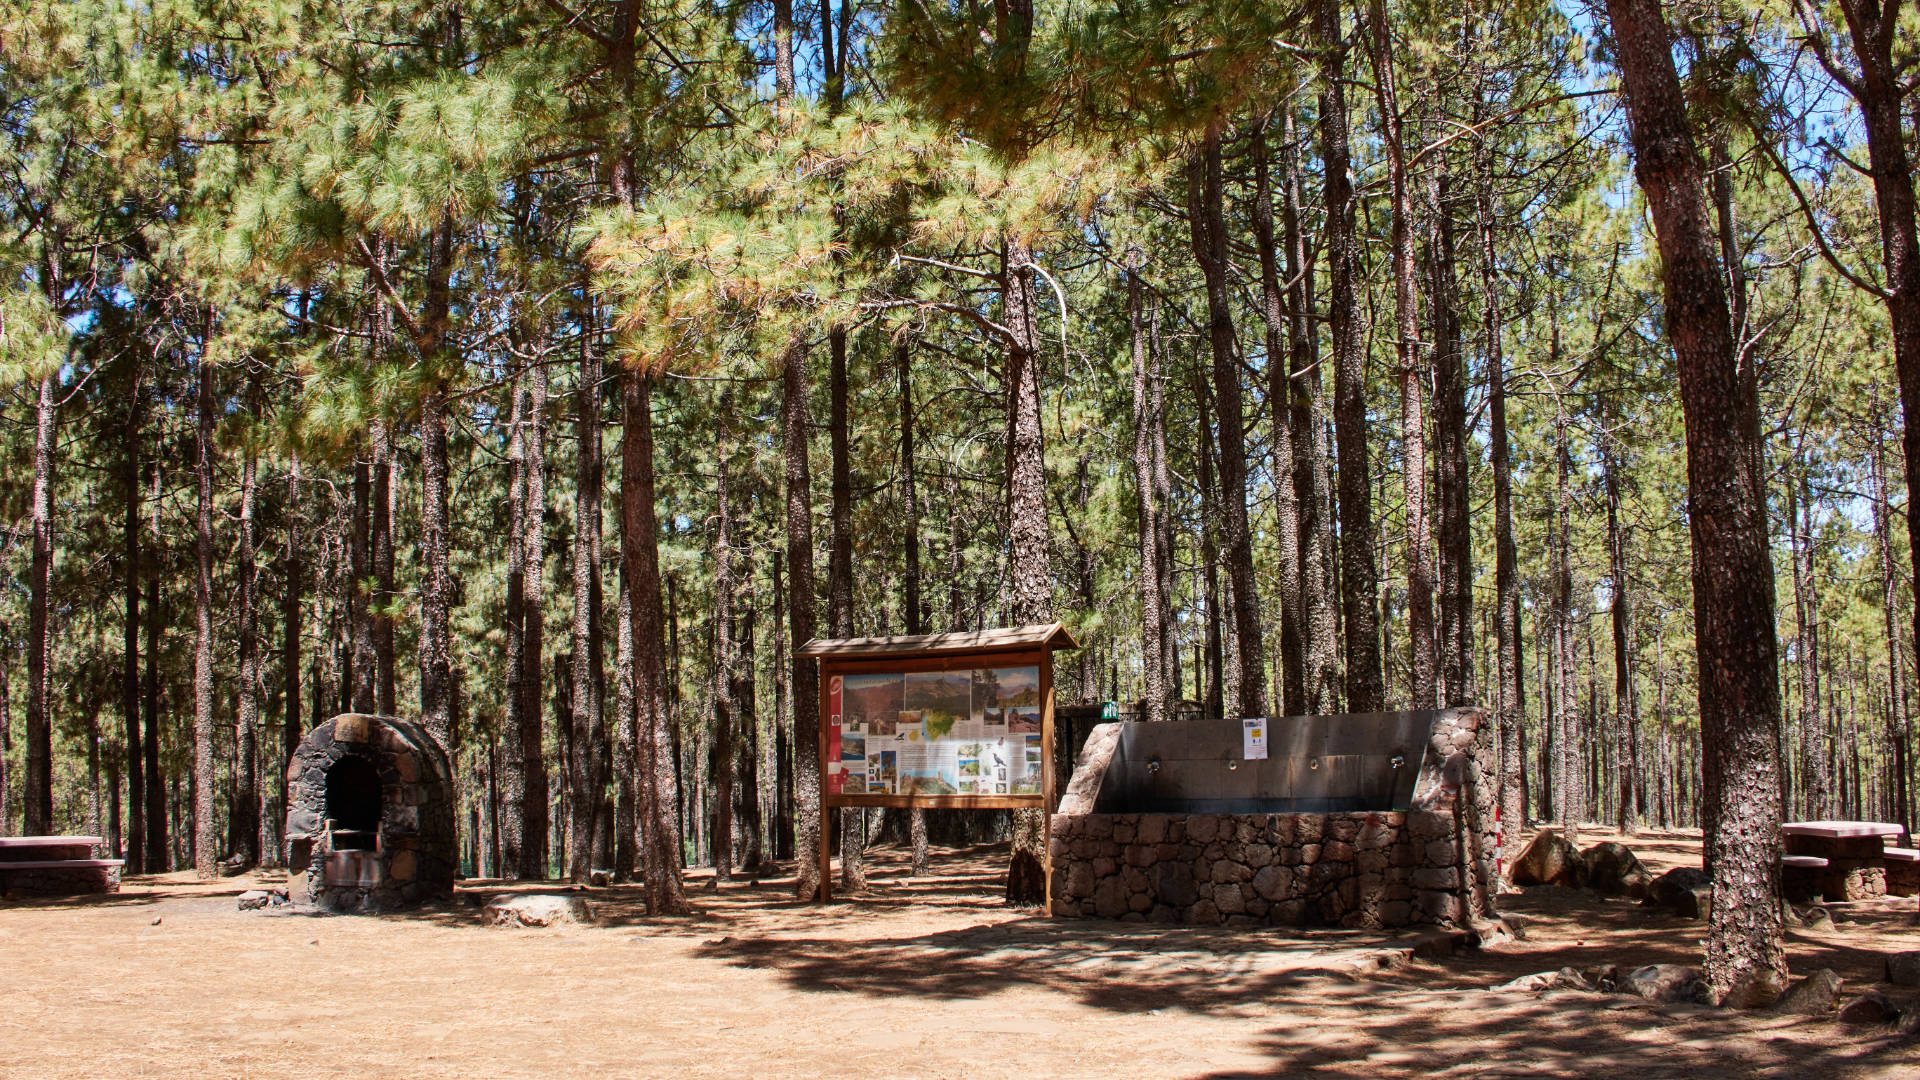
<point>157,858</point>
<point>1206,215</point>
<point>205,834</point>
<point>1509,665</point>
<point>535,825</point>
<point>243,812</point>
<point>1359,577</point>
<point>36,788</point>
<point>293,588</point>
<point>515,759</point>
<point>658,795</point>
<point>1411,371</point>
<point>591,764</point>
<point>916,621</point>
<point>801,612</point>
<point>1152,600</point>
<point>1281,330</point>
<point>1732,563</point>
<point>1030,598</point>
<point>135,852</point>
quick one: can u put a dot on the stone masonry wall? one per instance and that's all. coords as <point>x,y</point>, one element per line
<point>417,857</point>
<point>1432,865</point>
<point>1361,869</point>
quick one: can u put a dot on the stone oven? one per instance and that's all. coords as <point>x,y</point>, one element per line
<point>1369,820</point>
<point>370,813</point>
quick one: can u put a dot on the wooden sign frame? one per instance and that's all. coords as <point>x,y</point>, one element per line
<point>1024,647</point>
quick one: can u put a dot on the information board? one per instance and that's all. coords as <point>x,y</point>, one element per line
<point>967,732</point>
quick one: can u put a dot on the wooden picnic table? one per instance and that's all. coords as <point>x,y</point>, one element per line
<point>1855,852</point>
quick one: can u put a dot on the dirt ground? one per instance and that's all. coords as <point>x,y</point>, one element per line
<point>916,978</point>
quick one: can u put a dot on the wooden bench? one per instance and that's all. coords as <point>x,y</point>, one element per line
<point>1800,876</point>
<point>1903,870</point>
<point>55,866</point>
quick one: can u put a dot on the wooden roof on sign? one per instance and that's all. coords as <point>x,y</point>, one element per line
<point>1043,636</point>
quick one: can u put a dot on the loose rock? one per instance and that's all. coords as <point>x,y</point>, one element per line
<point>1816,995</point>
<point>536,909</point>
<point>255,899</point>
<point>1872,1007</point>
<point>1548,859</point>
<point>1665,983</point>
<point>1614,869</point>
<point>1540,982</point>
<point>1903,968</point>
<point>1683,890</point>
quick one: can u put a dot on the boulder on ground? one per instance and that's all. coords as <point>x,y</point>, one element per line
<point>1683,890</point>
<point>1903,968</point>
<point>1614,869</point>
<point>1816,995</point>
<point>1548,859</point>
<point>536,909</point>
<point>1665,983</point>
<point>1872,1007</point>
<point>255,899</point>
<point>1564,979</point>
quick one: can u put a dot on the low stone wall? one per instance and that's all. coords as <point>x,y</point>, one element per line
<point>1431,865</point>
<point>1360,869</point>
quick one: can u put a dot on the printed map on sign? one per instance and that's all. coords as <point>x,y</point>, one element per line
<point>936,733</point>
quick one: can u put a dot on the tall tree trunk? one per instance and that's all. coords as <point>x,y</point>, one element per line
<point>6,739</point>
<point>853,820</point>
<point>625,750</point>
<point>1359,577</point>
<point>1510,664</point>
<point>361,668</point>
<point>130,640</point>
<point>805,676</point>
<point>1568,780</point>
<point>1898,711</point>
<point>204,834</point>
<point>1451,478</point>
<point>290,594</point>
<point>1626,758</point>
<point>243,815</point>
<point>590,764</point>
<point>1030,598</point>
<point>723,587</point>
<point>517,759</point>
<point>639,538</point>
<point>1312,484</point>
<point>534,824</point>
<point>747,818</point>
<point>1423,683</point>
<point>157,859</point>
<point>1281,327</point>
<point>1206,216</point>
<point>1880,86</point>
<point>1732,562</point>
<point>1152,601</point>
<point>381,545</point>
<point>37,787</point>
<point>1213,664</point>
<point>1816,781</point>
<point>916,621</point>
<point>436,527</point>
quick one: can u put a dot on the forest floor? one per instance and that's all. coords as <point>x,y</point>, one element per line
<point>915,978</point>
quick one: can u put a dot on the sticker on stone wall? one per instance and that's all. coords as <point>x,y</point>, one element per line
<point>1253,739</point>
